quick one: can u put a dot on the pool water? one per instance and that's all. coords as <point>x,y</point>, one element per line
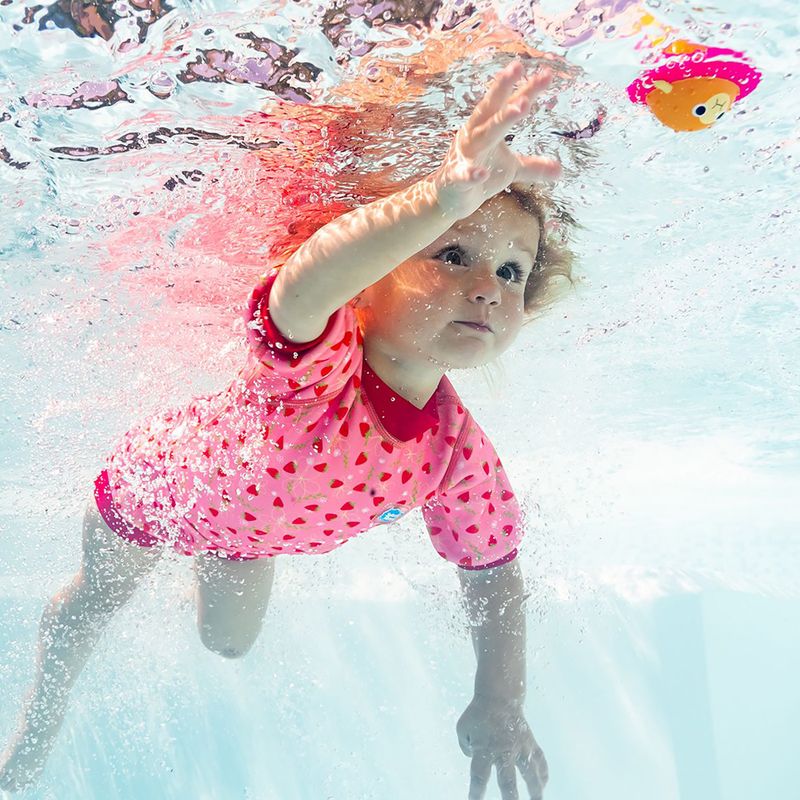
<point>650,421</point>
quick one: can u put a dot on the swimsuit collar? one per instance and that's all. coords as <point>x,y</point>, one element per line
<point>402,419</point>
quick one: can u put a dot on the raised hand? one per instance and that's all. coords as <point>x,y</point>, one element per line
<point>479,163</point>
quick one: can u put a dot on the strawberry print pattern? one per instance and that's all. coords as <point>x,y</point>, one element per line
<point>306,449</point>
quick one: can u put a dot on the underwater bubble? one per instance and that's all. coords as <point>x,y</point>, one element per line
<point>161,85</point>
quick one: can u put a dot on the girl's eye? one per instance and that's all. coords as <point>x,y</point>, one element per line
<point>511,266</point>
<point>454,250</point>
<point>515,269</point>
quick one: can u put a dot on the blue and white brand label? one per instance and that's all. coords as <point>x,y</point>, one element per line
<point>390,515</point>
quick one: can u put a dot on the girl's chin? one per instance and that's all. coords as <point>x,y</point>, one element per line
<point>463,360</point>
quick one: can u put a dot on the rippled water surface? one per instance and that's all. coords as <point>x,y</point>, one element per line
<point>150,153</point>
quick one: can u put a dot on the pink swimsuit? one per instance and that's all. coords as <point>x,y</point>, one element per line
<point>306,449</point>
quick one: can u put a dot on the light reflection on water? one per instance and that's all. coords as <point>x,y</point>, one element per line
<point>649,421</point>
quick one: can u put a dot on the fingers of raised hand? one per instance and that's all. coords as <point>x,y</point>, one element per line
<point>531,169</point>
<point>498,93</point>
<point>499,111</point>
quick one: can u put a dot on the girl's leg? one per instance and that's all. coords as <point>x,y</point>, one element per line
<point>70,626</point>
<point>232,598</point>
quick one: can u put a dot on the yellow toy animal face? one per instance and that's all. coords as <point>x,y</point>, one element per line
<point>691,104</point>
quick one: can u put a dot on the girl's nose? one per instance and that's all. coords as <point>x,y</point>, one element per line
<point>483,286</point>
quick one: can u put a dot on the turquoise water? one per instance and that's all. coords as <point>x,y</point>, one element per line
<point>649,421</point>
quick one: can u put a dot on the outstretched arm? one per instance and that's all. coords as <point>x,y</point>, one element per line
<point>359,248</point>
<point>493,730</point>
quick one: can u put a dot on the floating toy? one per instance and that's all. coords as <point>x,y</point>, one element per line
<point>695,85</point>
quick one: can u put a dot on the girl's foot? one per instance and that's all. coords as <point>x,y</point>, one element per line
<point>23,761</point>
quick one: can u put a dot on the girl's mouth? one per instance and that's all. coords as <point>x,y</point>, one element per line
<point>475,325</point>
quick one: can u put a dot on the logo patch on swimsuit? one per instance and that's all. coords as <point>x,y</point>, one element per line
<point>390,515</point>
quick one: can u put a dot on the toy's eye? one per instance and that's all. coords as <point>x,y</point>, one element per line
<point>698,111</point>
<point>720,115</point>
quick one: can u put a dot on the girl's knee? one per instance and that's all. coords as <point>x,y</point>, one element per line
<point>232,599</point>
<point>225,644</point>
<point>230,652</point>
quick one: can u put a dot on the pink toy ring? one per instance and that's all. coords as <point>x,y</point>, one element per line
<point>695,86</point>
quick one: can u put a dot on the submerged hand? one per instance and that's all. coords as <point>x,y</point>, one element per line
<point>495,732</point>
<point>479,163</point>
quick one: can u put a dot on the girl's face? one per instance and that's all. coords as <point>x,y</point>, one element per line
<point>475,272</point>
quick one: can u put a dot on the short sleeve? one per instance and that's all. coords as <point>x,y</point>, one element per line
<point>309,370</point>
<point>475,522</point>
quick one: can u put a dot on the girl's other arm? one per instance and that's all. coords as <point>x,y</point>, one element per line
<point>359,248</point>
<point>493,731</point>
<point>494,602</point>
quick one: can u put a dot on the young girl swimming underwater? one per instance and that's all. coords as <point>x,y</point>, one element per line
<point>342,419</point>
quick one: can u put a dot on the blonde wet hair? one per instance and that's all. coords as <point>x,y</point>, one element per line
<point>553,266</point>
